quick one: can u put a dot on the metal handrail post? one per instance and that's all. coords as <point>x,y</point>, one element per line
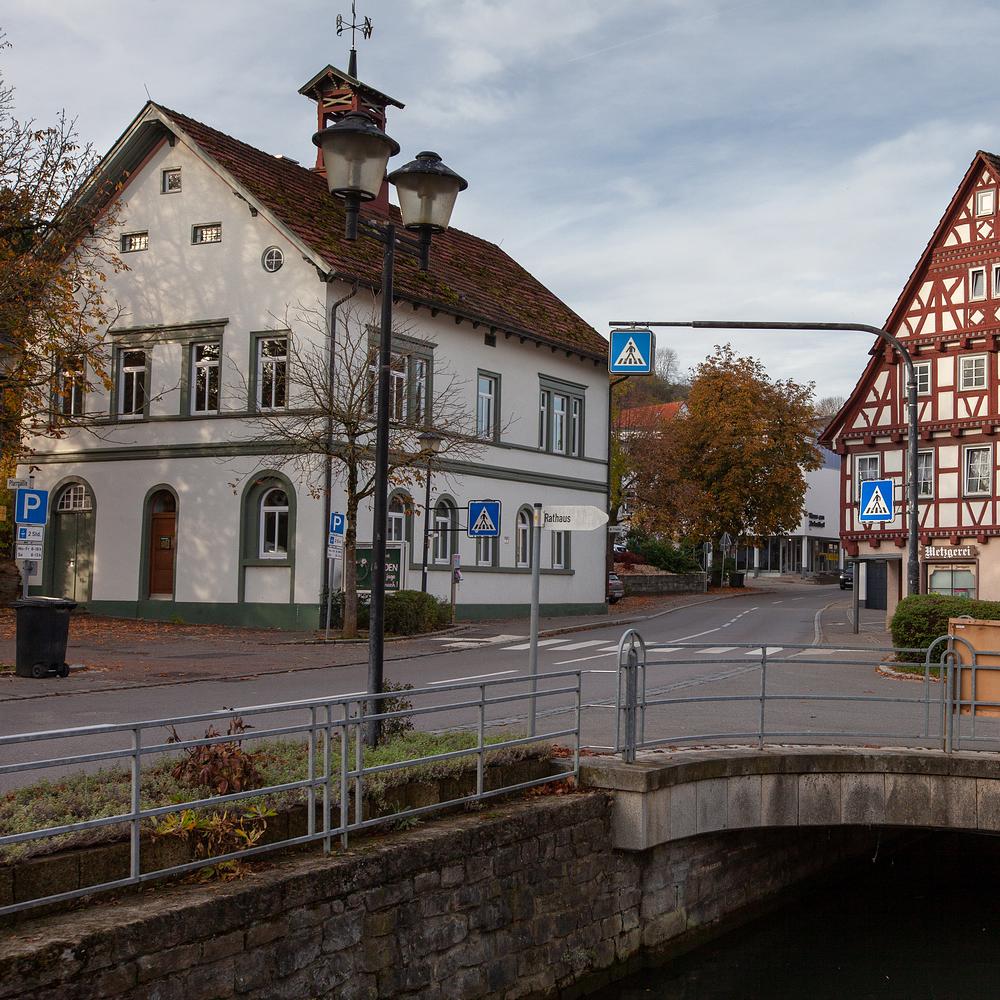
<point>327,777</point>
<point>345,754</point>
<point>631,669</point>
<point>481,746</point>
<point>136,839</point>
<point>763,694</point>
<point>311,796</point>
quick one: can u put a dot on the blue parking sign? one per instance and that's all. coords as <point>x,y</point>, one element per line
<point>338,523</point>
<point>31,506</point>
<point>484,519</point>
<point>631,352</point>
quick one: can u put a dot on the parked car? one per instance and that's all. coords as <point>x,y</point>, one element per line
<point>847,578</point>
<point>619,547</point>
<point>616,589</point>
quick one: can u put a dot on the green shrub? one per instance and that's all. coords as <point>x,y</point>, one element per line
<point>410,612</point>
<point>663,554</point>
<point>922,618</point>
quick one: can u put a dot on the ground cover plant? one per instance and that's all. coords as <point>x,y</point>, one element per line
<point>176,780</point>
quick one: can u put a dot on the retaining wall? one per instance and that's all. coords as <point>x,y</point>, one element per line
<point>529,900</point>
<point>664,583</point>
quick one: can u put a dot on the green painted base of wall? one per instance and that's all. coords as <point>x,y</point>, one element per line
<point>485,612</point>
<point>298,617</point>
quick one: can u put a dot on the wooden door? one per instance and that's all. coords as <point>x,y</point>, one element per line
<point>162,536</point>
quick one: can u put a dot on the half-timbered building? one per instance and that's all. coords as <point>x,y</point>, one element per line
<point>948,317</point>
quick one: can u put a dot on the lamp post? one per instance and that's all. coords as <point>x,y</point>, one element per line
<point>431,443</point>
<point>356,153</point>
<point>913,517</point>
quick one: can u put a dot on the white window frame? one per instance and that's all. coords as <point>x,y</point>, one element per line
<point>396,527</point>
<point>74,497</point>
<point>274,512</point>
<point>996,281</point>
<point>522,539</point>
<point>485,548</point>
<point>165,175</point>
<point>982,194</point>
<point>137,376</point>
<point>560,550</point>
<point>858,479</point>
<point>962,362</point>
<point>140,236</point>
<point>274,361</point>
<point>486,405</point>
<point>575,426</point>
<point>272,259</point>
<point>921,493</point>
<point>199,366</point>
<point>443,523</point>
<point>972,272</point>
<point>543,419</point>
<point>71,393</point>
<point>925,368</point>
<point>967,450</point>
<point>398,384</point>
<point>202,229</point>
<point>560,423</point>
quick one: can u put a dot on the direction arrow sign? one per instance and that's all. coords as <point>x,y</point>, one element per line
<point>28,550</point>
<point>30,533</point>
<point>581,518</point>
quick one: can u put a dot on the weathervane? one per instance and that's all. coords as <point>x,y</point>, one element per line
<point>366,27</point>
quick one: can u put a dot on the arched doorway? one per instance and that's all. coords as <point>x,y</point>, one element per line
<point>73,543</point>
<point>162,544</point>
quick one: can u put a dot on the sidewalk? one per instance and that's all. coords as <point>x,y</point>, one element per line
<point>119,650</point>
<point>836,625</point>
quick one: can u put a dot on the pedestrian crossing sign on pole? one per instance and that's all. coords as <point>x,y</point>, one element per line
<point>484,519</point>
<point>876,501</point>
<point>631,352</point>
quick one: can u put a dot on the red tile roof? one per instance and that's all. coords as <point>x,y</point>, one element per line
<point>468,276</point>
<point>654,413</point>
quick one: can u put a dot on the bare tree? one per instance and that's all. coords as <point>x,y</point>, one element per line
<point>828,406</point>
<point>330,415</point>
<point>57,248</point>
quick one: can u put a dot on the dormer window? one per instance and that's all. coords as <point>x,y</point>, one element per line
<point>170,180</point>
<point>977,283</point>
<point>132,242</point>
<point>210,232</point>
<point>986,201</point>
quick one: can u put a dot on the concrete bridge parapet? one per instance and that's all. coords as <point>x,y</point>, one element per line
<point>668,796</point>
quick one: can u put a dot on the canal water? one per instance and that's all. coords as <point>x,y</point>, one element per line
<point>918,923</point>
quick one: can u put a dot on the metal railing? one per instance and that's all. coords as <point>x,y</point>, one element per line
<point>947,713</point>
<point>336,772</point>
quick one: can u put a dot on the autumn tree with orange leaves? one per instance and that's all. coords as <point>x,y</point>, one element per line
<point>734,461</point>
<point>57,248</point>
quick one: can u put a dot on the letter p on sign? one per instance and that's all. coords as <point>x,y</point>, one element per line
<point>31,506</point>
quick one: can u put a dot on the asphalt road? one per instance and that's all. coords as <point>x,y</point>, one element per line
<point>728,664</point>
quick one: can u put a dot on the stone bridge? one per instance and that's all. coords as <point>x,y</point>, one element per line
<point>669,796</point>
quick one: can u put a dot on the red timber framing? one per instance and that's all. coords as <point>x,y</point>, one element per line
<point>948,316</point>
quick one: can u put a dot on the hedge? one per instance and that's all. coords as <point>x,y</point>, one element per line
<point>922,618</point>
<point>663,555</point>
<point>407,612</point>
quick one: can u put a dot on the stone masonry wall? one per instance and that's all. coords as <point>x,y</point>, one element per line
<point>664,583</point>
<point>524,901</point>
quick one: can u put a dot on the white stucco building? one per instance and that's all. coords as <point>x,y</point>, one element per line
<point>165,507</point>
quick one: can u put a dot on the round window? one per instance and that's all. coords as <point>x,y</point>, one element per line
<point>272,259</point>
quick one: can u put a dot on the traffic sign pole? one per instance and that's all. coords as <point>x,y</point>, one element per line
<point>536,582</point>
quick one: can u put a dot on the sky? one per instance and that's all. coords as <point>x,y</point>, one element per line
<point>646,159</point>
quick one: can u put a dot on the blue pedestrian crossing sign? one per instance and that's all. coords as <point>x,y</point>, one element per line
<point>631,352</point>
<point>31,506</point>
<point>484,519</point>
<point>876,501</point>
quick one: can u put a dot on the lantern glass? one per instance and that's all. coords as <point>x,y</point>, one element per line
<point>427,191</point>
<point>355,153</point>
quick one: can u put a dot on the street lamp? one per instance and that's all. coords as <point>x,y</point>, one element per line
<point>913,516</point>
<point>356,153</point>
<point>431,443</point>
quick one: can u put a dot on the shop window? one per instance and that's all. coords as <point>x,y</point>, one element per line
<point>951,581</point>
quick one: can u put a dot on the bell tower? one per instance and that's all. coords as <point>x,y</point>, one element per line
<point>336,93</point>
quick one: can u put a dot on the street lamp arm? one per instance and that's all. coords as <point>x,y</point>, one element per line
<point>912,567</point>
